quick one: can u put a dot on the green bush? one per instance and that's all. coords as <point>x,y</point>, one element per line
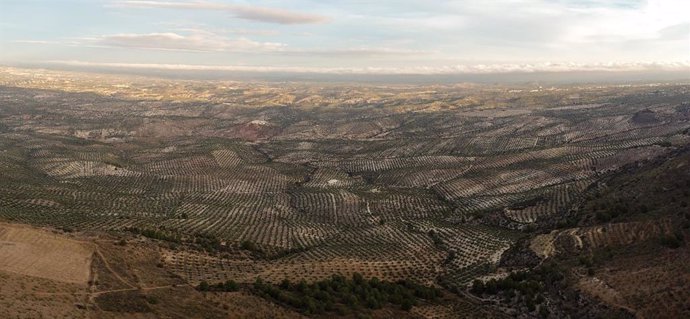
<point>353,294</point>
<point>672,241</point>
<point>228,286</point>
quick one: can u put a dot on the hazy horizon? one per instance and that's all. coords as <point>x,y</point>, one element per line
<point>545,78</point>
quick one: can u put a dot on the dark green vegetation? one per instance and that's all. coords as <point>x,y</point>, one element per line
<point>672,241</point>
<point>342,295</point>
<point>337,294</point>
<point>155,234</point>
<point>660,189</point>
<point>523,288</point>
<point>228,286</point>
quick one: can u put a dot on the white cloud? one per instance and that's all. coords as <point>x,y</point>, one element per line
<point>535,30</point>
<point>204,42</point>
<point>624,24</point>
<point>201,40</point>
<point>35,42</point>
<point>358,52</point>
<point>263,14</point>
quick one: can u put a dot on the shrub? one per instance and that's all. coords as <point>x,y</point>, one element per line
<point>337,292</point>
<point>151,300</point>
<point>248,245</point>
<point>672,241</point>
<point>406,305</point>
<point>478,287</point>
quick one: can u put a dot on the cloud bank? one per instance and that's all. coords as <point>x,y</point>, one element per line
<point>452,69</point>
<point>256,13</point>
<point>174,41</point>
<point>199,40</point>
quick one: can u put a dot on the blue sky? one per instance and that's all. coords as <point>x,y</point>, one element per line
<point>402,36</point>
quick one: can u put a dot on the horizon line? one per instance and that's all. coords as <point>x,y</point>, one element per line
<point>457,69</point>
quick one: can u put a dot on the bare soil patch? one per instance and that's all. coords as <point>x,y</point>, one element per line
<point>39,253</point>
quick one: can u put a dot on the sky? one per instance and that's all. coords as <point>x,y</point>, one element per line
<point>349,36</point>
